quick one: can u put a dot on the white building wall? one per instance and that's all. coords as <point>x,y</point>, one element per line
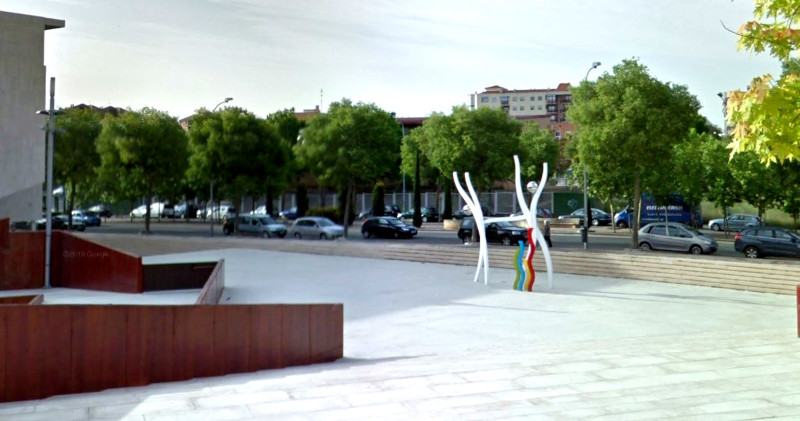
<point>22,93</point>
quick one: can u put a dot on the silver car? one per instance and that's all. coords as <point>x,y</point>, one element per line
<point>734,222</point>
<point>261,225</point>
<point>675,236</point>
<point>316,227</point>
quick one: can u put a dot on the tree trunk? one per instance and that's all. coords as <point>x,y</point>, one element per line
<point>148,201</point>
<point>346,216</point>
<point>637,205</point>
<point>417,195</point>
<point>270,194</point>
<point>70,204</point>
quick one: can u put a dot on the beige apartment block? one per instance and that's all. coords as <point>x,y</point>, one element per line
<point>23,82</point>
<point>546,107</point>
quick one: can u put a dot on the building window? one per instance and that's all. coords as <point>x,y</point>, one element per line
<point>540,97</point>
<point>494,99</point>
<point>504,98</point>
<point>522,98</point>
<point>551,108</point>
<point>550,97</point>
<point>552,118</point>
<point>558,134</point>
<point>484,99</point>
<point>533,98</point>
<point>514,99</point>
<point>514,108</point>
<point>539,108</point>
<point>532,107</point>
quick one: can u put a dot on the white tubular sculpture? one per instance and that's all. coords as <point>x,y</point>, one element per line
<point>528,214</point>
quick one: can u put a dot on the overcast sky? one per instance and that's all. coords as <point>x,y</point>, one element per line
<point>413,57</point>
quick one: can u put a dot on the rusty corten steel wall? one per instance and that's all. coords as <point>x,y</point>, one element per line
<point>48,350</point>
<point>82,264</point>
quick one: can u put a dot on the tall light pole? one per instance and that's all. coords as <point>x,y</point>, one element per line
<point>48,239</point>
<point>402,136</point>
<point>724,97</point>
<point>211,195</point>
<point>587,213</point>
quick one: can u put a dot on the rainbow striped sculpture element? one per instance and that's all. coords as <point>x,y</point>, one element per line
<point>523,259</point>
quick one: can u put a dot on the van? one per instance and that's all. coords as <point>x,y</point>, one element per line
<point>676,210</point>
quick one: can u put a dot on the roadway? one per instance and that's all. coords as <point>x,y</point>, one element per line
<point>601,239</point>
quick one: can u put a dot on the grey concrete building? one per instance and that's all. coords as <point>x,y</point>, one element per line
<point>23,82</point>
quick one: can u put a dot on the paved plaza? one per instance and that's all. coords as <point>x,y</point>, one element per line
<point>423,342</point>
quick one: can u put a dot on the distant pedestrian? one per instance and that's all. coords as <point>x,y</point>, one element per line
<point>547,234</point>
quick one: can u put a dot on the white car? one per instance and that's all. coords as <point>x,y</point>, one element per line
<point>316,227</point>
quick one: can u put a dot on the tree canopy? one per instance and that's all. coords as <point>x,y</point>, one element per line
<point>142,154</point>
<point>766,116</point>
<point>75,151</point>
<point>352,143</point>
<point>628,124</point>
<point>481,141</point>
<point>242,153</point>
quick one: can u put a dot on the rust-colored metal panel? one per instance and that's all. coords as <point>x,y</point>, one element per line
<point>5,225</point>
<point>212,291</point>
<point>295,342</point>
<point>149,344</point>
<point>232,338</point>
<point>22,299</point>
<point>326,332</point>
<point>23,266</point>
<point>36,351</point>
<point>98,347</point>
<point>266,325</point>
<point>55,357</point>
<point>194,342</point>
<point>87,265</point>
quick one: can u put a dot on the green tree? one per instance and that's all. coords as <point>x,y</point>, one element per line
<point>761,185</point>
<point>75,155</point>
<point>142,154</point>
<point>242,153</point>
<point>691,178</point>
<point>481,142</point>
<point>765,117</point>
<point>724,190</point>
<point>537,146</point>
<point>351,144</point>
<point>289,128</point>
<point>628,123</point>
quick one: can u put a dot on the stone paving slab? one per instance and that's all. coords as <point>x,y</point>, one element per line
<point>422,341</point>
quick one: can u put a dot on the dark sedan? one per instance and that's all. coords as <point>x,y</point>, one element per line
<point>386,227</point>
<point>504,233</point>
<point>765,241</point>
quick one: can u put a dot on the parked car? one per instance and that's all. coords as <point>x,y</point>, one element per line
<point>220,212</point>
<point>735,222</point>
<point>261,225</point>
<point>599,216</point>
<point>61,222</point>
<point>762,241</point>
<point>504,233</point>
<point>316,227</point>
<point>386,227</point>
<point>429,214</point>
<point>185,210</point>
<point>91,219</point>
<point>675,236</point>
<point>390,210</point>
<point>261,210</point>
<point>157,209</point>
<point>290,214</point>
<point>139,212</point>
<point>465,212</point>
<point>101,210</point>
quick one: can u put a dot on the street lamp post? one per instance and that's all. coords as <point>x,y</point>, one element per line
<point>724,112</point>
<point>211,194</point>
<point>402,136</point>
<point>49,185</point>
<point>587,213</point>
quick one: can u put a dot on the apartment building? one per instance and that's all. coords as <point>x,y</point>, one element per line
<point>545,107</point>
<point>23,81</point>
